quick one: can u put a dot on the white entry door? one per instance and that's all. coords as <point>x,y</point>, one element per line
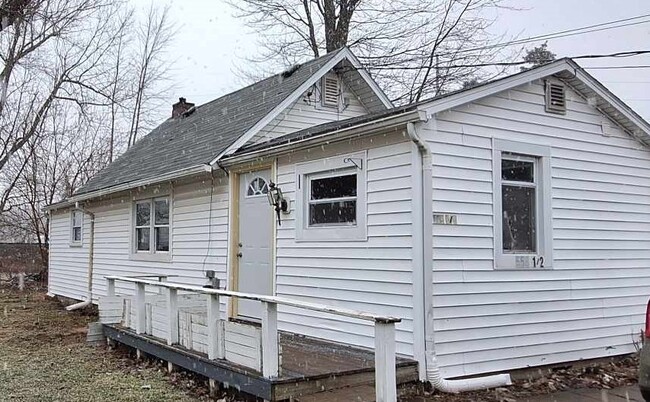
<point>255,229</point>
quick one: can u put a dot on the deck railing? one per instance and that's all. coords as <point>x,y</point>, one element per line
<point>385,370</point>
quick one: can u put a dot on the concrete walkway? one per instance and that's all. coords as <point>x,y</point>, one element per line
<point>623,394</point>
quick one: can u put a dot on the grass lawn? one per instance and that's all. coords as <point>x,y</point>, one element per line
<point>44,357</point>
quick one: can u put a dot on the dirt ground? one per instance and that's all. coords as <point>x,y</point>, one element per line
<point>44,357</point>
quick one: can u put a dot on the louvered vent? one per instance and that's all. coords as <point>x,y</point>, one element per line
<point>555,98</point>
<point>331,89</point>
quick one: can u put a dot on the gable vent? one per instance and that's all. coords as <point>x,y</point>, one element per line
<point>555,98</point>
<point>330,90</point>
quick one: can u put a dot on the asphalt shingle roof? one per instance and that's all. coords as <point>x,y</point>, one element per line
<point>196,139</point>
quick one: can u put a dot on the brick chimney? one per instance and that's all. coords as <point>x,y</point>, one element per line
<point>181,107</point>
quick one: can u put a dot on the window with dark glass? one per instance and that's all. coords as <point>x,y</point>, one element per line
<point>519,203</point>
<point>152,225</point>
<point>333,200</point>
<point>77,226</point>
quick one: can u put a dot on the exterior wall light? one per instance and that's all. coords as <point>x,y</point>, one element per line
<point>276,200</point>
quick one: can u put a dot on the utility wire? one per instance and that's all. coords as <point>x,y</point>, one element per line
<point>615,67</point>
<point>520,63</point>
<point>561,34</point>
<point>603,26</point>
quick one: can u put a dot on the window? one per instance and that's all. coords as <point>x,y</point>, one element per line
<point>257,187</point>
<point>331,199</point>
<point>76,227</point>
<point>518,203</point>
<point>151,229</point>
<point>522,211</point>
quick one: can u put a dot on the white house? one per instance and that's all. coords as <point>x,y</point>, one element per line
<point>508,225</point>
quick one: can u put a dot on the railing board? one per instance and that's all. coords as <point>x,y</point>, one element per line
<point>269,299</point>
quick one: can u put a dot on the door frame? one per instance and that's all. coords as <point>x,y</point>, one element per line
<point>234,177</point>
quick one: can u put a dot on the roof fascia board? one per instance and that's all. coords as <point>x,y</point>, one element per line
<point>344,53</point>
<point>364,74</point>
<point>362,128</point>
<point>280,107</point>
<point>128,186</point>
<point>613,100</point>
<point>473,94</point>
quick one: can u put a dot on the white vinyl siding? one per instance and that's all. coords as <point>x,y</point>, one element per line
<point>191,234</point>
<point>375,275</point>
<point>591,303</point>
<point>307,112</point>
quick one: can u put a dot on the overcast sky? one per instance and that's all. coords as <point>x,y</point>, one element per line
<point>211,43</point>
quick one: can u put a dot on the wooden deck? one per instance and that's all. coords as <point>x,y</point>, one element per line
<point>308,366</point>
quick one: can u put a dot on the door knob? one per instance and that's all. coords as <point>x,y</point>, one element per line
<point>239,254</point>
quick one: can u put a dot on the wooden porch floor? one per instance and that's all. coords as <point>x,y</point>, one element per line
<point>308,366</point>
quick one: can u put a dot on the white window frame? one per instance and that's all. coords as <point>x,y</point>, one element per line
<point>542,258</point>
<point>152,254</point>
<point>73,242</point>
<point>340,165</point>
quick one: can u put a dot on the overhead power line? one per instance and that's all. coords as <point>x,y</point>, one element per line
<point>616,67</point>
<point>603,26</point>
<point>521,63</point>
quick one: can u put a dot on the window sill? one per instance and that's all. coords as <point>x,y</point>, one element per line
<point>75,244</point>
<point>157,257</point>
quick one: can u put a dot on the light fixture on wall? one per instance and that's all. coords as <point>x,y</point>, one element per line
<point>276,200</point>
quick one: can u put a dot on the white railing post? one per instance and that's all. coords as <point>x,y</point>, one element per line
<point>216,341</point>
<point>140,321</point>
<point>270,355</point>
<point>110,287</point>
<point>172,316</point>
<point>385,376</point>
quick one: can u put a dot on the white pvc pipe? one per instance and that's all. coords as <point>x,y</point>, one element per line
<point>91,252</point>
<point>432,369</point>
<point>469,384</point>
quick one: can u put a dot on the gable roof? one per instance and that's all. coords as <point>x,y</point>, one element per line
<point>565,69</point>
<point>203,126</point>
<point>568,71</point>
<point>200,138</point>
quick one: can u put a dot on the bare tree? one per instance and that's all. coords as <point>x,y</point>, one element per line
<point>420,48</point>
<point>153,37</point>
<point>72,77</point>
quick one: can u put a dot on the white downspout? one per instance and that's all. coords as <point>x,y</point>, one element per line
<point>432,369</point>
<point>91,252</point>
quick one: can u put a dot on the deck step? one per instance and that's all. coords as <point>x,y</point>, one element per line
<point>361,393</point>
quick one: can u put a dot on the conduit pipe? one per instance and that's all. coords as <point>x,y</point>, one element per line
<point>426,263</point>
<point>91,253</point>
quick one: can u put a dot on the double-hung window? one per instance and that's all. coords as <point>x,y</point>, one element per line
<point>151,226</point>
<point>76,227</point>
<point>331,199</point>
<point>522,205</point>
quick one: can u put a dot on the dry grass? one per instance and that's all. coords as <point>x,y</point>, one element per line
<point>44,357</point>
